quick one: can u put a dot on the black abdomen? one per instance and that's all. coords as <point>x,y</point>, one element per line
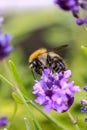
<point>56,64</point>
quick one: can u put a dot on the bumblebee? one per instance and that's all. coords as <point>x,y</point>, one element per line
<point>42,58</point>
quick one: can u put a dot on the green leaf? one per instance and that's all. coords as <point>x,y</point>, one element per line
<point>17,78</point>
<point>36,125</point>
<point>10,124</point>
<point>17,98</point>
<point>84,49</point>
<point>27,124</point>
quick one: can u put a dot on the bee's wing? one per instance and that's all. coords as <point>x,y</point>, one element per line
<point>35,75</point>
<point>58,48</point>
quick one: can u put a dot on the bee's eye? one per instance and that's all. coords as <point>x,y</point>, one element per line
<point>34,62</point>
<point>37,63</point>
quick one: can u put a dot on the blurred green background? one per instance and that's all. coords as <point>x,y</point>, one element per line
<point>44,28</point>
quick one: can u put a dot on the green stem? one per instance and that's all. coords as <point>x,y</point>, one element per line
<point>47,116</point>
<point>27,107</point>
<point>27,123</point>
<point>24,101</point>
<point>6,80</point>
<point>16,88</point>
<point>73,120</point>
<point>13,117</point>
<point>8,71</point>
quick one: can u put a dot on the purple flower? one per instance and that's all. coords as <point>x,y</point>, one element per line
<point>67,4</point>
<point>55,91</point>
<point>5,46</point>
<point>3,121</point>
<point>73,6</point>
<point>84,104</point>
<point>83,109</point>
<point>85,88</point>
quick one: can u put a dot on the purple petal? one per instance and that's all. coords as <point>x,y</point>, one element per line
<point>47,108</point>
<point>40,100</point>
<point>80,21</point>
<point>85,88</point>
<point>3,121</point>
<point>84,102</point>
<point>5,46</point>
<point>67,74</point>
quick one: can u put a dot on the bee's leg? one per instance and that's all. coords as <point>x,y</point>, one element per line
<point>33,74</point>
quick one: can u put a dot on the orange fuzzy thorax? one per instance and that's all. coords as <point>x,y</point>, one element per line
<point>35,54</point>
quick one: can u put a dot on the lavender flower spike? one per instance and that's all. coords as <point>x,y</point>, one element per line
<point>84,104</point>
<point>74,6</point>
<point>5,46</point>
<point>55,91</point>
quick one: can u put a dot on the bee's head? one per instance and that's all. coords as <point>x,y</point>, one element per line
<point>35,54</point>
<point>32,63</point>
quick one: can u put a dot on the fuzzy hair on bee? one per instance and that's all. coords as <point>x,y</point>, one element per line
<point>42,58</point>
